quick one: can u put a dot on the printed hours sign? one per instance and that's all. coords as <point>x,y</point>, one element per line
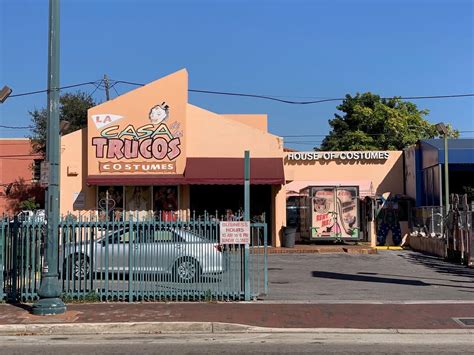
<point>235,232</point>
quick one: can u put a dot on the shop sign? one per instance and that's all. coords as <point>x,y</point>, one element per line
<point>44,177</point>
<point>235,232</point>
<point>152,147</point>
<point>349,156</point>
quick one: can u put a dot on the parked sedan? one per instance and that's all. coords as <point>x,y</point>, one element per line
<point>180,253</point>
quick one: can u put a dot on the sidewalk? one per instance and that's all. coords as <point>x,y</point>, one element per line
<point>324,248</point>
<point>308,316</point>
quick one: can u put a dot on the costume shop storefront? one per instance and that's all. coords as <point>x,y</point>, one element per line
<point>152,154</point>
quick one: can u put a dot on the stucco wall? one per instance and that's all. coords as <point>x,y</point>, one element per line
<point>383,175</point>
<point>258,121</point>
<point>74,173</point>
<point>213,135</point>
<point>16,161</point>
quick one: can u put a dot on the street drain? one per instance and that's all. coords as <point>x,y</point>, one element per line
<point>280,282</point>
<point>274,268</point>
<point>465,322</point>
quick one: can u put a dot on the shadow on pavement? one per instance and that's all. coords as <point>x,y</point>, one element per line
<point>377,279</point>
<point>439,265</point>
<point>364,278</point>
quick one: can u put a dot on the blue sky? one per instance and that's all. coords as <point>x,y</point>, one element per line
<point>294,49</point>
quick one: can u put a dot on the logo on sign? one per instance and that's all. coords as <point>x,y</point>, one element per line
<point>103,120</point>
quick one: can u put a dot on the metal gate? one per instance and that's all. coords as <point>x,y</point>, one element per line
<point>130,260</point>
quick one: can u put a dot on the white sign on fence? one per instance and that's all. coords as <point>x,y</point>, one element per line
<point>235,232</point>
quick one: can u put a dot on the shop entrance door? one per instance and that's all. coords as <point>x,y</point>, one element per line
<point>220,198</point>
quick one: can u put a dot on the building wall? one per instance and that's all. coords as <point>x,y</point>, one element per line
<point>75,196</point>
<point>16,161</point>
<point>253,120</point>
<point>213,135</point>
<point>381,175</point>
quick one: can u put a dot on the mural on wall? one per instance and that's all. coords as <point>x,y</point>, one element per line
<point>334,212</point>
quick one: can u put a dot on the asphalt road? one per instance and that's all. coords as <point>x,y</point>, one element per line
<point>395,276</point>
<point>281,343</point>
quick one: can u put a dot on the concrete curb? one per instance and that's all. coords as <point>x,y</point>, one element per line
<point>193,327</point>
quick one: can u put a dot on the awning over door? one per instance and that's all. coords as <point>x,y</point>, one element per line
<point>205,171</point>
<point>230,171</point>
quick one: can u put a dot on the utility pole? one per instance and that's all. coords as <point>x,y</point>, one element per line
<point>446,173</point>
<point>50,290</point>
<point>443,130</point>
<point>107,87</point>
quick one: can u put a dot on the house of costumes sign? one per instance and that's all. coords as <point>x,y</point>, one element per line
<point>349,156</point>
<point>142,131</point>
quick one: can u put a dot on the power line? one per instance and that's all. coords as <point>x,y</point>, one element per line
<point>16,127</point>
<point>275,98</point>
<point>265,97</point>
<point>46,90</point>
<point>324,135</point>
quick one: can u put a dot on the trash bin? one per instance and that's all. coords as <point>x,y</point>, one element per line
<point>289,235</point>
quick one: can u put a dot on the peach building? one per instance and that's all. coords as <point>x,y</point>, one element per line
<point>16,161</point>
<point>151,153</point>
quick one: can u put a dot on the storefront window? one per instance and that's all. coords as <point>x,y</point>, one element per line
<point>137,198</point>
<point>110,199</point>
<point>165,202</point>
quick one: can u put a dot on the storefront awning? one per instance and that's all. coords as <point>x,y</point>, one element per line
<point>230,171</point>
<point>204,171</point>
<point>135,180</point>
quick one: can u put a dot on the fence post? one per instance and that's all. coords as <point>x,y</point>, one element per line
<point>14,259</point>
<point>265,257</point>
<point>247,218</point>
<point>131,248</point>
<point>2,259</point>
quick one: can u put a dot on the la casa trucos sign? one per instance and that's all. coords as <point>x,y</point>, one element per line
<point>348,156</point>
<point>150,147</point>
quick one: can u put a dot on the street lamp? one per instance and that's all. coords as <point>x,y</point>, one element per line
<point>50,289</point>
<point>443,131</point>
<point>4,93</point>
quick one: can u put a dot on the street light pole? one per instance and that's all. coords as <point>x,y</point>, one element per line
<point>443,130</point>
<point>446,173</point>
<point>50,290</point>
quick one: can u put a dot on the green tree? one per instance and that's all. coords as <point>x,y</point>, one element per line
<point>21,195</point>
<point>73,112</point>
<point>374,123</point>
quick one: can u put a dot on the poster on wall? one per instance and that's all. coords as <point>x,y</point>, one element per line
<point>334,212</point>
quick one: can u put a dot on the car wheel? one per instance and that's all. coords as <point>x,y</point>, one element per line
<point>187,270</point>
<point>78,266</point>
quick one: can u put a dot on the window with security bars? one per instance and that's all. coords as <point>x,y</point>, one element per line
<point>37,169</point>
